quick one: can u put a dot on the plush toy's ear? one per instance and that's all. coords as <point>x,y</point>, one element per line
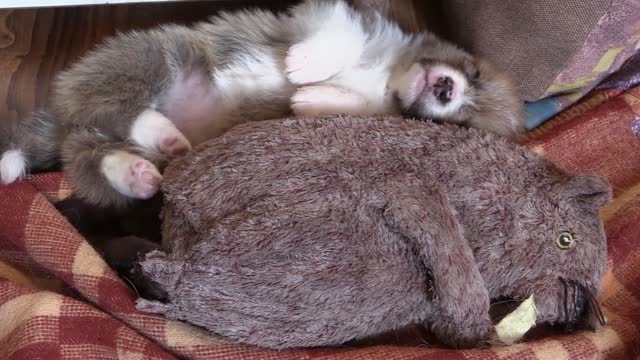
<point>588,190</point>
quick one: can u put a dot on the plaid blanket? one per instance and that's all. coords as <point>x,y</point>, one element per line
<point>58,298</point>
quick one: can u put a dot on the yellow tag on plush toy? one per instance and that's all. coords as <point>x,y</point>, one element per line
<point>513,326</point>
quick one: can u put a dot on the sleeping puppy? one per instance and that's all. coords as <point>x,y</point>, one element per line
<point>145,97</point>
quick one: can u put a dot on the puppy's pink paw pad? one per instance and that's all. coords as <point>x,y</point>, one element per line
<point>143,179</point>
<point>174,145</point>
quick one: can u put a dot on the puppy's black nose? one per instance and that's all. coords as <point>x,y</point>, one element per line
<point>443,89</point>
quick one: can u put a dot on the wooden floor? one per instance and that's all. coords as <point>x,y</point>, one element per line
<point>35,44</point>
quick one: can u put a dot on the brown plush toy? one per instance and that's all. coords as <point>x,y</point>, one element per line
<point>314,232</point>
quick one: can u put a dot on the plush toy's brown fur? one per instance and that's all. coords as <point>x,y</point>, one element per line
<point>311,232</point>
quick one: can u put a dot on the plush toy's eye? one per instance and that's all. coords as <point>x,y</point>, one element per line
<point>565,240</point>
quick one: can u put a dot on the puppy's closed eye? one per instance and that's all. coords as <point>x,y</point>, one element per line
<point>471,70</point>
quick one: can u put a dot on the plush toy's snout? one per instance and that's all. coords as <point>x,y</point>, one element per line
<point>569,304</point>
<point>580,305</point>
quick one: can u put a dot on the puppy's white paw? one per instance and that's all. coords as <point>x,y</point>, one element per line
<point>337,45</point>
<point>154,131</point>
<point>326,100</point>
<point>131,175</point>
<point>143,179</point>
<point>173,144</point>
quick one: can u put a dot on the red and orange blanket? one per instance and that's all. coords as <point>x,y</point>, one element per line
<point>59,300</point>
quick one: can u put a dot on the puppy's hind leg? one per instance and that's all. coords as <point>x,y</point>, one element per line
<point>155,132</point>
<point>109,172</point>
<point>130,174</point>
<point>112,166</point>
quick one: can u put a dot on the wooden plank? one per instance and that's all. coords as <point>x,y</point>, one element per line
<point>409,14</point>
<point>35,44</point>
<point>17,4</point>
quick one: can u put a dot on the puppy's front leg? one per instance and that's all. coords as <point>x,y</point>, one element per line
<point>423,215</point>
<point>322,100</point>
<point>336,46</point>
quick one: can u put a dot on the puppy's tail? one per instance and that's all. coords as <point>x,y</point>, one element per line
<point>31,144</point>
